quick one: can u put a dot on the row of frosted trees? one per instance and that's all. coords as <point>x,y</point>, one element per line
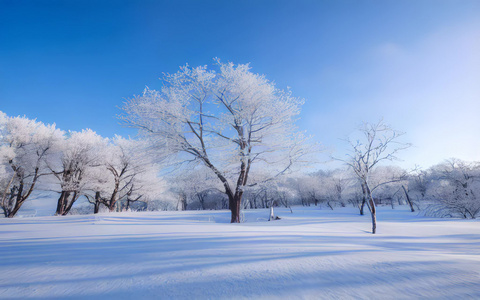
<point>448,189</point>
<point>114,173</point>
<point>109,173</point>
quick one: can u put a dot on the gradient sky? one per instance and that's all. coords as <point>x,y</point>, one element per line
<point>415,63</point>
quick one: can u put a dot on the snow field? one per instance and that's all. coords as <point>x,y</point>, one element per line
<point>310,254</point>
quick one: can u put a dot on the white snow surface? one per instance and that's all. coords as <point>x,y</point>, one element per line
<point>311,253</point>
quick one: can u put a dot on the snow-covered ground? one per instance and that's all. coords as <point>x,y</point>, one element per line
<point>310,254</point>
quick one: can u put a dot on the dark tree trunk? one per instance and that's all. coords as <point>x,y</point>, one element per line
<point>329,205</point>
<point>364,198</point>
<point>18,201</point>
<point>18,194</point>
<point>65,203</point>
<point>96,209</point>
<point>235,203</point>
<point>113,198</point>
<point>14,211</point>
<point>183,201</point>
<point>97,203</point>
<point>408,199</point>
<point>69,204</point>
<point>6,206</point>
<point>362,205</point>
<point>61,203</point>
<point>373,212</point>
<point>372,208</point>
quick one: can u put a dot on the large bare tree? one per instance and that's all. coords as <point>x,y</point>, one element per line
<point>225,117</point>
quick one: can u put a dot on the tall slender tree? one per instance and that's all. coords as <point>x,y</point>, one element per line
<point>377,142</point>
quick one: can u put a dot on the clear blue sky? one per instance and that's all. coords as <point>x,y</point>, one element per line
<point>416,63</point>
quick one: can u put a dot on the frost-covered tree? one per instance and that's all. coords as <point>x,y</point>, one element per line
<point>334,184</point>
<point>146,186</point>
<point>25,145</point>
<point>308,188</point>
<point>120,173</point>
<point>386,183</point>
<point>376,143</point>
<point>74,167</point>
<point>123,174</point>
<point>195,188</point>
<point>418,184</point>
<point>231,120</point>
<point>256,197</point>
<point>457,187</point>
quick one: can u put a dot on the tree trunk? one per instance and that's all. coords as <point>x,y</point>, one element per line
<point>235,203</point>
<point>362,205</point>
<point>60,200</point>
<point>10,202</point>
<point>97,203</point>
<point>18,201</point>
<point>329,205</point>
<point>183,202</point>
<point>372,208</point>
<point>69,204</point>
<point>5,207</point>
<point>374,216</point>
<point>113,198</point>
<point>408,199</point>
<point>111,206</point>
<point>14,211</point>
<point>96,209</point>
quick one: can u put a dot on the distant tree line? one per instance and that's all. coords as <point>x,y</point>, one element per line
<point>448,189</point>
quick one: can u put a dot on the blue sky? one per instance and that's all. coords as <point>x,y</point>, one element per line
<point>415,63</point>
